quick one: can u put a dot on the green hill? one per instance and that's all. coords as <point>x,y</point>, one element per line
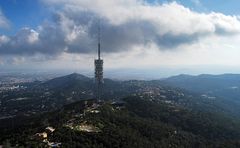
<point>133,122</point>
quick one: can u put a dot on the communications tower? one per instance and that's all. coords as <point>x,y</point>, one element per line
<point>99,68</point>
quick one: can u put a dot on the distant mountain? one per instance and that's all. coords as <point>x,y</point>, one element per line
<point>78,83</point>
<point>213,93</point>
<point>49,95</point>
<point>181,111</point>
<point>223,89</point>
<point>204,83</point>
<point>68,81</point>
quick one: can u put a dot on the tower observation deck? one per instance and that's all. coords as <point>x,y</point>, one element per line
<point>98,69</point>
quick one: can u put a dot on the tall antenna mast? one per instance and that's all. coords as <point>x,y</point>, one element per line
<point>99,66</point>
<point>99,40</point>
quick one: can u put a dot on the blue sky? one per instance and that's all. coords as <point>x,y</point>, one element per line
<point>23,13</point>
<point>229,7</point>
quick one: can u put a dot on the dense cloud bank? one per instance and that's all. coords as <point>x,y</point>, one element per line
<point>125,24</point>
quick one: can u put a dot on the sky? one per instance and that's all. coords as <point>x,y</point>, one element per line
<point>167,37</point>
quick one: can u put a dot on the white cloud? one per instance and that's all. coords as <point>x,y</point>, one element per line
<point>197,2</point>
<point>125,25</point>
<point>133,31</point>
<point>3,39</point>
<point>4,22</point>
<point>171,17</point>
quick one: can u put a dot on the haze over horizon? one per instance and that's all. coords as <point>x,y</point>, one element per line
<point>155,38</point>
